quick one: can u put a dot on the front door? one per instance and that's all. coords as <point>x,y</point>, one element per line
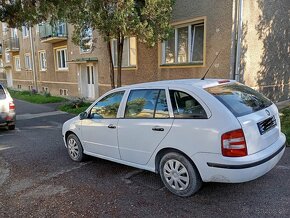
<point>91,81</point>
<point>99,130</point>
<point>9,78</point>
<point>145,124</point>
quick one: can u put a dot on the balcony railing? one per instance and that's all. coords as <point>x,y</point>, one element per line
<point>12,44</point>
<point>52,34</point>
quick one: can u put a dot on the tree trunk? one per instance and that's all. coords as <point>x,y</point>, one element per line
<point>112,70</point>
<point>120,44</point>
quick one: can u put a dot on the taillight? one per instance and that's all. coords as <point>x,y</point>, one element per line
<point>234,144</point>
<point>11,106</point>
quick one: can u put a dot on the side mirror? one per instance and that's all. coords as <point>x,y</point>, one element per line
<point>83,115</point>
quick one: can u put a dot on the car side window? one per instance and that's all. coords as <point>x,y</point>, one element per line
<point>147,103</point>
<point>107,107</point>
<point>185,106</point>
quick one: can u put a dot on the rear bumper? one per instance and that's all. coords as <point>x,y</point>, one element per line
<point>7,119</point>
<point>217,168</point>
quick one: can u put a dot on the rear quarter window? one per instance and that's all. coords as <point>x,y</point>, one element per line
<point>2,93</point>
<point>241,100</point>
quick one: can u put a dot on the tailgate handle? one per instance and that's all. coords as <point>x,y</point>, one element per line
<point>159,129</point>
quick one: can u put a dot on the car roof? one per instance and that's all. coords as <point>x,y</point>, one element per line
<point>181,83</point>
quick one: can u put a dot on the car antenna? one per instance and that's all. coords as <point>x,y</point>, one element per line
<point>210,66</point>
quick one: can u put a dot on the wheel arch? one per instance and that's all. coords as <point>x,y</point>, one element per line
<point>164,151</point>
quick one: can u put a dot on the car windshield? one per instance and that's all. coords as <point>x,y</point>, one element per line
<point>239,99</point>
<point>2,93</point>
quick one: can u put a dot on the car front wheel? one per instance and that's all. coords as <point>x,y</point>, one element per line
<point>74,148</point>
<point>179,175</point>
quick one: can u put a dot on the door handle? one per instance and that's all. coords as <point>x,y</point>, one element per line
<point>159,129</point>
<point>111,126</point>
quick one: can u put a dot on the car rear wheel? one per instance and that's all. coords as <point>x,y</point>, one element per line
<point>74,148</point>
<point>179,175</point>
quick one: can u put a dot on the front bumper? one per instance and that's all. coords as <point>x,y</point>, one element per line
<point>217,168</point>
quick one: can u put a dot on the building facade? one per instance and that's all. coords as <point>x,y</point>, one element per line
<point>250,37</point>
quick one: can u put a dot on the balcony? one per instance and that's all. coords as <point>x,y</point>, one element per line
<point>11,45</point>
<point>53,34</point>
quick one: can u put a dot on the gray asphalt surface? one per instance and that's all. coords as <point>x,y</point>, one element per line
<point>37,179</point>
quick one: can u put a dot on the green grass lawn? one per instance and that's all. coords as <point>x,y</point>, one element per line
<point>285,123</point>
<point>35,98</point>
<point>72,109</point>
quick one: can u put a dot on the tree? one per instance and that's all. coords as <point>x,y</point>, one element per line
<point>148,20</point>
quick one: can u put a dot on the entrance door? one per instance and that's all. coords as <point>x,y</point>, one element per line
<point>91,81</point>
<point>9,78</point>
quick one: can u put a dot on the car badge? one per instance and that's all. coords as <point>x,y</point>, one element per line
<point>268,113</point>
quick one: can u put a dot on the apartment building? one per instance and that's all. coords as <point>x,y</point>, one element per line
<point>252,37</point>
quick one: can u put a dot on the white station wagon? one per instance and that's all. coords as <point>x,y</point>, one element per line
<point>189,131</point>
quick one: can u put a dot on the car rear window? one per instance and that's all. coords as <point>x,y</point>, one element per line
<point>2,93</point>
<point>239,99</point>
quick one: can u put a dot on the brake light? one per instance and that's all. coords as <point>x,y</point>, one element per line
<point>11,106</point>
<point>234,144</point>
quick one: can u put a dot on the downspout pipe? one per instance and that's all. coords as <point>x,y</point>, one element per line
<point>238,42</point>
<point>32,47</point>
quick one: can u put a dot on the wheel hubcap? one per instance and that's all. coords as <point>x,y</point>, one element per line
<point>73,148</point>
<point>176,175</point>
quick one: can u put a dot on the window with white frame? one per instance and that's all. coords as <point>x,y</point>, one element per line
<point>27,62</point>
<point>25,32</point>
<point>17,63</point>
<point>61,59</point>
<point>14,33</point>
<point>129,58</point>
<point>186,47</point>
<point>86,40</point>
<point>42,61</point>
<point>4,28</point>
<point>7,57</point>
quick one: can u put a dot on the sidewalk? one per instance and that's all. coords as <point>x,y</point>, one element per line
<point>283,104</point>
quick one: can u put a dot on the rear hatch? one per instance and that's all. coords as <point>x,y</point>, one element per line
<point>258,116</point>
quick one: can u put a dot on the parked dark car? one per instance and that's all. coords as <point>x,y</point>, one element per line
<point>7,109</point>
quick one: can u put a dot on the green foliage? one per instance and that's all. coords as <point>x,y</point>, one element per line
<point>285,123</point>
<point>75,106</point>
<point>35,98</point>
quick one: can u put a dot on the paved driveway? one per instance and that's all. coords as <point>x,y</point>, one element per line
<point>37,179</point>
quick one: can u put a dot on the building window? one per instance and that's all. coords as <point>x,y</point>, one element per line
<point>186,47</point>
<point>42,61</point>
<point>17,63</point>
<point>30,88</point>
<point>25,31</point>
<point>19,86</point>
<point>14,33</point>
<point>86,40</point>
<point>63,92</point>
<point>7,57</point>
<point>129,58</point>
<point>4,28</point>
<point>27,62</point>
<point>61,59</point>
<point>45,89</point>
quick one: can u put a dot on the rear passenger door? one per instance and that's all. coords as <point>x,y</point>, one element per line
<point>145,123</point>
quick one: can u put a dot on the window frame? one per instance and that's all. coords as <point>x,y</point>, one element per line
<point>17,67</point>
<point>113,47</point>
<point>89,50</point>
<point>26,63</point>
<point>189,24</point>
<point>25,32</point>
<point>59,49</point>
<point>40,61</point>
<point>7,56</point>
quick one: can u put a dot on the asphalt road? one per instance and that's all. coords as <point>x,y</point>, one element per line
<point>37,179</point>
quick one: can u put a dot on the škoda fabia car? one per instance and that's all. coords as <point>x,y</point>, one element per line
<point>188,131</point>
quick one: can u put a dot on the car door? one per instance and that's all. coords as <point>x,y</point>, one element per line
<point>145,123</point>
<point>99,130</point>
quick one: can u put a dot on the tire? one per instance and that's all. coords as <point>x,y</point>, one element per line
<point>11,127</point>
<point>74,148</point>
<point>179,175</point>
